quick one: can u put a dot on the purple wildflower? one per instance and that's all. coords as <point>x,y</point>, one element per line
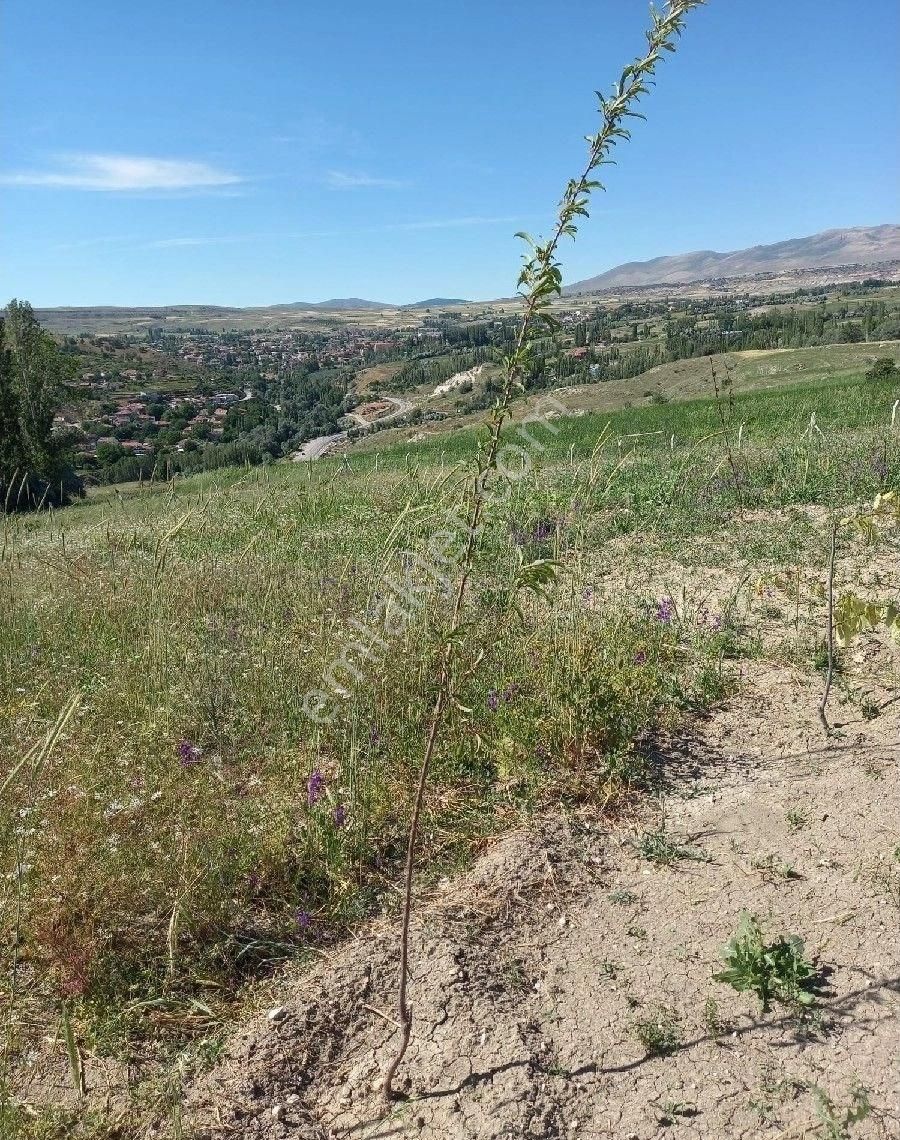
<point>511,692</point>
<point>714,623</point>
<point>665,611</point>
<point>493,700</point>
<point>544,529</point>
<point>340,816</point>
<point>315,786</point>
<point>304,919</point>
<point>188,753</point>
<point>880,467</point>
<point>587,594</point>
<point>374,736</point>
<point>640,658</point>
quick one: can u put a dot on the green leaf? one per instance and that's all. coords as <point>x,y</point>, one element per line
<point>538,575</point>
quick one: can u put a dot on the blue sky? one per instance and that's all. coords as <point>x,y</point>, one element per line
<point>255,153</point>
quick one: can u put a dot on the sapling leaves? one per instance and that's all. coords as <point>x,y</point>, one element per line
<point>539,282</point>
<point>537,576</point>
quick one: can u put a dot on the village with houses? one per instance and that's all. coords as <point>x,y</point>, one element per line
<point>176,391</point>
<point>140,396</point>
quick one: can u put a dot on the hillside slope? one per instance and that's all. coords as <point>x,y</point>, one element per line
<point>537,973</point>
<point>866,245</point>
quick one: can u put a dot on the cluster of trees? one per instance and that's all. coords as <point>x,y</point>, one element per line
<point>434,369</point>
<point>36,465</point>
<point>884,368</point>
<point>793,328</point>
<point>305,403</point>
<point>476,335</point>
<point>550,366</point>
<point>133,468</point>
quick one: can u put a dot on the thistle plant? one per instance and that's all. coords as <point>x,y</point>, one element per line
<point>540,282</point>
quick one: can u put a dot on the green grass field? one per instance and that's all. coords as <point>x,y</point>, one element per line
<point>691,379</point>
<point>187,828</point>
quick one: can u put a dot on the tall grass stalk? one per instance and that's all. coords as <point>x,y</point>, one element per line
<point>40,753</point>
<point>76,1066</point>
<point>540,281</point>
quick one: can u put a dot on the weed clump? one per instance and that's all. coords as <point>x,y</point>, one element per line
<point>664,850</point>
<point>836,1121</point>
<point>659,1032</point>
<point>775,971</point>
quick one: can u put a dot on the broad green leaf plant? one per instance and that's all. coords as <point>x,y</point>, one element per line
<point>852,614</point>
<point>775,971</point>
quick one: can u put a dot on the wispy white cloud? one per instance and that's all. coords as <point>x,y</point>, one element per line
<point>189,242</point>
<point>342,180</point>
<point>120,172</point>
<point>178,242</point>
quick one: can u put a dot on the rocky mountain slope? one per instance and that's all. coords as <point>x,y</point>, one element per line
<point>867,245</point>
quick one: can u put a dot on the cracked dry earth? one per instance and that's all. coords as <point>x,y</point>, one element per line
<point>531,972</point>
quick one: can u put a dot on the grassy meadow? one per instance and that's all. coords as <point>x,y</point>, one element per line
<point>690,379</point>
<point>173,826</point>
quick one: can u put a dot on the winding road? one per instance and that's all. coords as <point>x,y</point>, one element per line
<point>322,444</point>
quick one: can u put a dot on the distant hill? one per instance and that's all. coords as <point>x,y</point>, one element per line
<point>108,318</point>
<point>356,304</point>
<point>436,303</point>
<point>353,303</point>
<point>865,245</point>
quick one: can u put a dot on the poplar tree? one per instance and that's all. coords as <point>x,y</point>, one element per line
<point>35,462</point>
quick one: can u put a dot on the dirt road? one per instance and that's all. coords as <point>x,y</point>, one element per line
<point>322,444</point>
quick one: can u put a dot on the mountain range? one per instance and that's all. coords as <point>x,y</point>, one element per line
<point>359,304</point>
<point>864,245</point>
